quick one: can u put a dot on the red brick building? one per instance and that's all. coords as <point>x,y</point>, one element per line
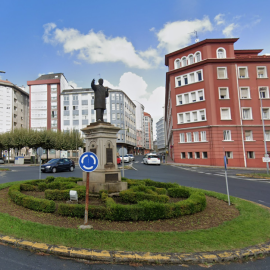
<point>213,104</point>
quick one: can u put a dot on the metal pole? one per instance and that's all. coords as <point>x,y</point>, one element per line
<point>86,199</point>
<point>227,187</point>
<point>265,146</point>
<point>123,174</point>
<point>39,167</point>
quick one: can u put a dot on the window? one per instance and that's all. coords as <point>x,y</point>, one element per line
<point>183,155</point>
<point>190,59</point>
<point>178,81</point>
<point>54,114</point>
<point>200,94</point>
<point>117,107</point>
<point>261,72</point>
<point>203,136</point>
<point>190,155</point>
<point>118,116</point>
<point>202,115</point>
<point>185,79</point>
<point>182,137</point>
<point>66,122</point>
<point>180,118</point>
<point>204,154</point>
<point>194,116</point>
<point>243,72</point>
<point>193,96</point>
<point>267,135</point>
<point>192,77</point>
<point>66,108</point>
<point>187,117</point>
<point>197,154</point>
<point>85,122</point>
<point>222,73</point>
<point>199,76</point>
<point>229,154</point>
<point>75,97</point>
<point>223,93</point>
<point>246,113</point>
<point>221,53</point>
<point>196,136</point>
<point>117,96</point>
<point>180,100</point>
<point>84,112</point>
<point>189,138</point>
<point>75,122</point>
<point>244,92</point>
<point>250,154</point>
<point>186,96</point>
<point>263,92</point>
<point>113,96</point>
<point>265,113</point>
<point>198,57</point>
<point>227,135</point>
<point>113,106</point>
<point>225,114</point>
<point>177,63</point>
<point>184,61</point>
<point>113,116</point>
<point>248,135</point>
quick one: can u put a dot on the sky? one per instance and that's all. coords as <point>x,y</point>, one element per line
<point>122,41</point>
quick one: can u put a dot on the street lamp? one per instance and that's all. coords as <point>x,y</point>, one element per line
<point>2,71</point>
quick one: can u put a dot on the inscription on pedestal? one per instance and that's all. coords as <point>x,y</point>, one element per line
<point>93,150</point>
<point>113,177</point>
<point>109,155</point>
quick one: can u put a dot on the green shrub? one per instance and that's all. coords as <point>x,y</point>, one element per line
<point>49,179</point>
<point>179,192</point>
<point>28,187</point>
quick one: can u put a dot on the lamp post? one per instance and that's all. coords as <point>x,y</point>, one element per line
<point>264,137</point>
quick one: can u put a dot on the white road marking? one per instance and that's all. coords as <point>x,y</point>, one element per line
<point>208,173</point>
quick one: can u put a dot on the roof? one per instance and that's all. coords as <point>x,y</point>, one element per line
<point>198,44</point>
<point>10,84</point>
<point>50,76</point>
<point>147,114</point>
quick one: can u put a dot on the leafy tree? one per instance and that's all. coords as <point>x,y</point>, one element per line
<point>48,140</point>
<point>19,137</point>
<point>7,141</point>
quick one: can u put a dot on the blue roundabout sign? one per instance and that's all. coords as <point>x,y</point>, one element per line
<point>88,161</point>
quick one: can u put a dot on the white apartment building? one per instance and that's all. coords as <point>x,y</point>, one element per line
<point>160,130</point>
<point>140,144</point>
<point>14,107</point>
<point>148,131</point>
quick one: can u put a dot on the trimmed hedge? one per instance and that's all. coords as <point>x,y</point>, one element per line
<point>149,198</point>
<point>30,201</point>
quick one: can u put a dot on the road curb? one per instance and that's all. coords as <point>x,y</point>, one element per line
<point>147,257</point>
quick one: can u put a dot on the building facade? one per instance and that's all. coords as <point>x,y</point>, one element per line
<point>139,128</point>
<point>216,101</point>
<point>44,99</point>
<point>77,111</point>
<point>14,107</point>
<point>160,130</point>
<point>148,133</point>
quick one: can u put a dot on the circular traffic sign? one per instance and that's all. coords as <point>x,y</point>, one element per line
<point>88,161</point>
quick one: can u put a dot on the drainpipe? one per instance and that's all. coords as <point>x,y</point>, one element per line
<point>241,121</point>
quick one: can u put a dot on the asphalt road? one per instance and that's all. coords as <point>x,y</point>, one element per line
<point>205,178</point>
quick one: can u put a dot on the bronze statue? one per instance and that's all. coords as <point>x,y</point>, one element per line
<point>101,93</point>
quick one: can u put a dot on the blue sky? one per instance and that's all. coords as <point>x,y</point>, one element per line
<point>123,41</point>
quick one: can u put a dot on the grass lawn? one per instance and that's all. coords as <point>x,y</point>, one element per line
<point>255,175</point>
<point>4,169</point>
<point>251,227</point>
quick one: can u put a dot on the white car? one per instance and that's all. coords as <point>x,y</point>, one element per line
<point>151,159</point>
<point>126,158</point>
<point>132,158</point>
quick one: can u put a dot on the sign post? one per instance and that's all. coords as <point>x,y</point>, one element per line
<point>40,152</point>
<point>225,165</point>
<point>88,162</point>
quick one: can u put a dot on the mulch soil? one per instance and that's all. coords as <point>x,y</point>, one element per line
<point>215,213</point>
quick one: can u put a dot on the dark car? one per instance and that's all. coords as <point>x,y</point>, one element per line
<point>2,161</point>
<point>58,164</point>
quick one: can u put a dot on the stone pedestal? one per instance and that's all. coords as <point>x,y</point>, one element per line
<point>101,139</point>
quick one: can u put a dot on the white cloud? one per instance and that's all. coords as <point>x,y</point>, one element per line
<point>219,19</point>
<point>77,63</point>
<point>75,86</point>
<point>96,47</point>
<point>227,32</point>
<point>178,34</point>
<point>152,29</point>
<point>136,88</point>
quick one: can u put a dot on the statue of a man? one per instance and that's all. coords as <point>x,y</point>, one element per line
<point>101,93</point>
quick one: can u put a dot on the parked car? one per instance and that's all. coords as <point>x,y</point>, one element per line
<point>58,164</point>
<point>2,161</point>
<point>118,160</point>
<point>126,158</point>
<point>131,157</point>
<point>151,159</point>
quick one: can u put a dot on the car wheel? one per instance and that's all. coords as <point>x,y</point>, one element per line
<point>54,170</point>
<point>71,168</point>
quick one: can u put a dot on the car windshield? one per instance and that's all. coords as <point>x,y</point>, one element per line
<point>126,155</point>
<point>152,156</point>
<point>53,160</point>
